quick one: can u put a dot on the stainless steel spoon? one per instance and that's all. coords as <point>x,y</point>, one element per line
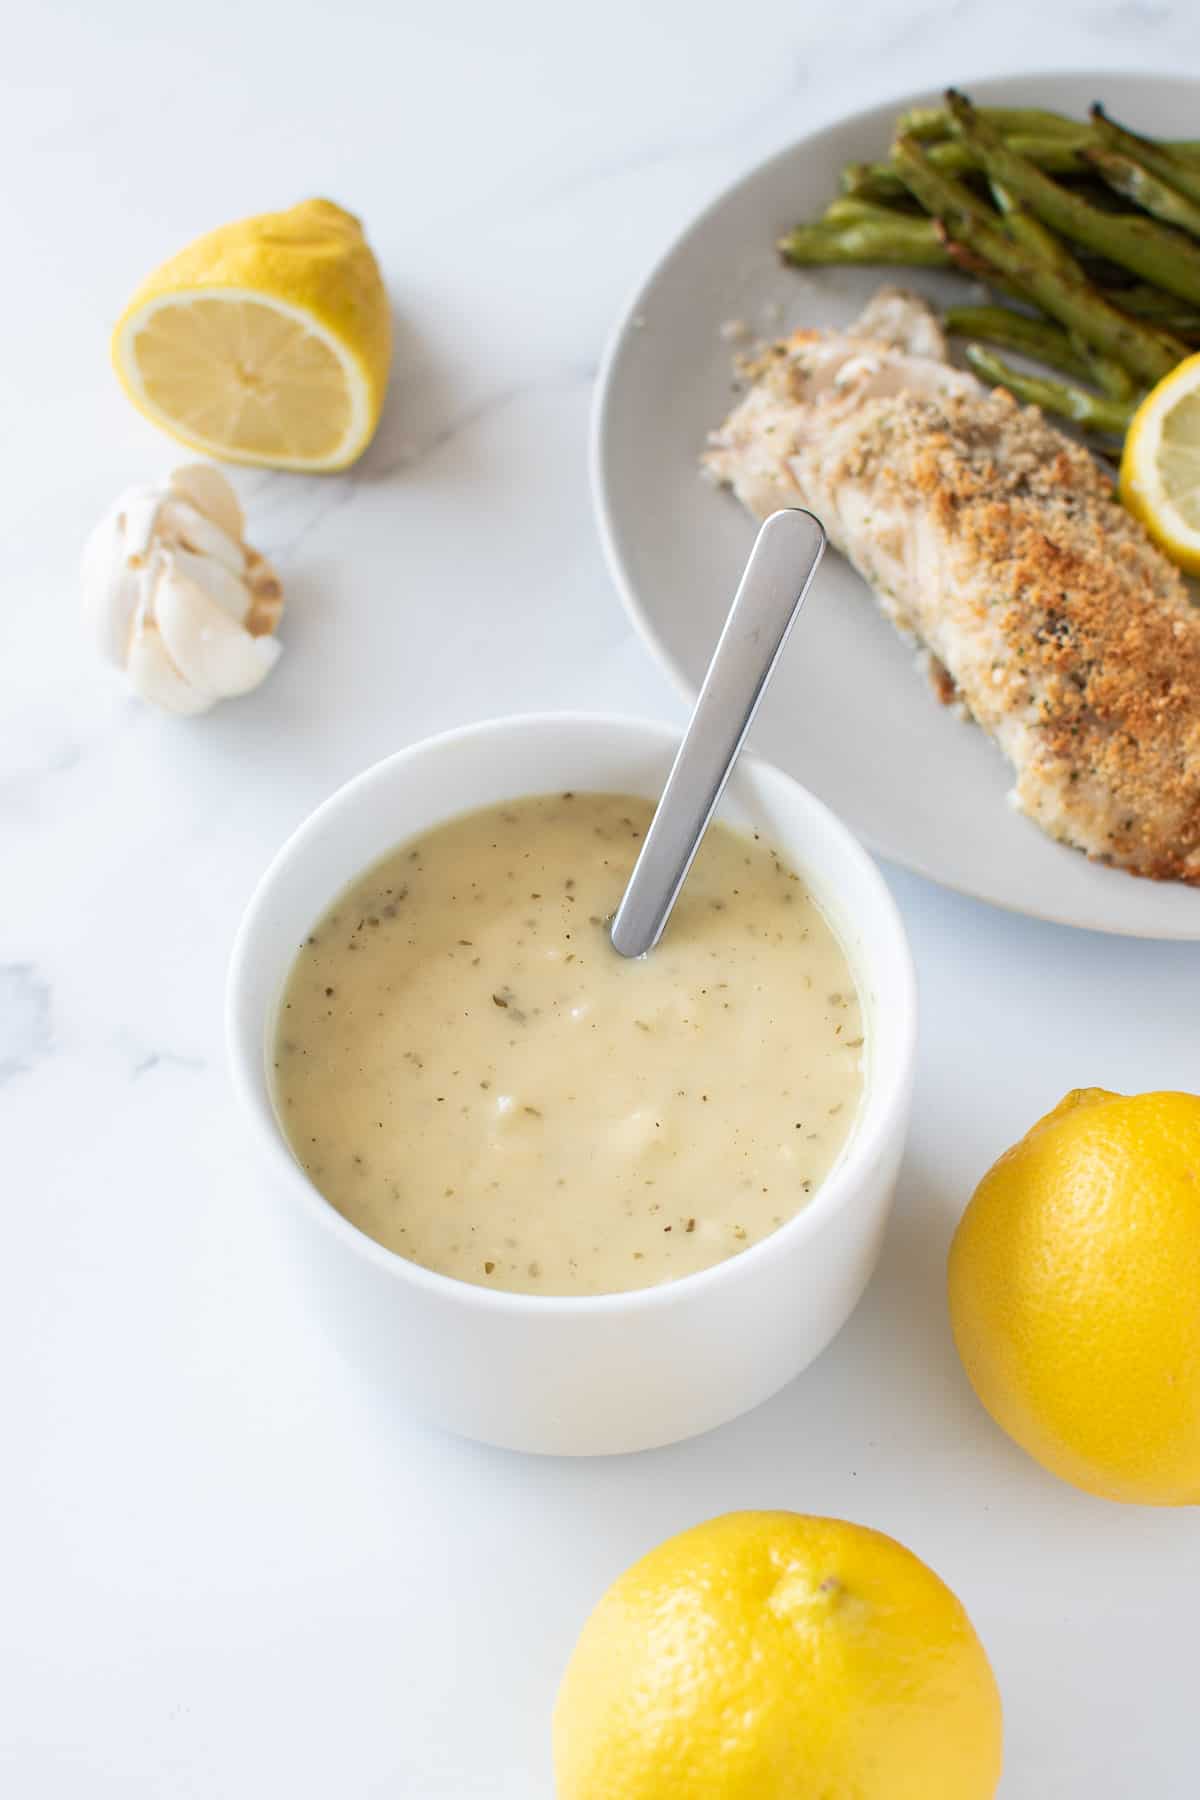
<point>772,590</point>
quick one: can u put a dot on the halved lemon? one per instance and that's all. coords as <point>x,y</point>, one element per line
<point>1160,467</point>
<point>267,341</point>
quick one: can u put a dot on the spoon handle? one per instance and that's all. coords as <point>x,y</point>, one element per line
<point>772,590</point>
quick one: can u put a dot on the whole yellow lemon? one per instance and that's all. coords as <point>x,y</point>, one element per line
<point>1075,1294</point>
<point>772,1656</point>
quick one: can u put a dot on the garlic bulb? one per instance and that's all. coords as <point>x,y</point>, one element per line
<point>175,596</point>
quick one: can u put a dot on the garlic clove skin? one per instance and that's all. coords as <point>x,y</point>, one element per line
<point>224,589</point>
<point>154,677</point>
<point>111,589</point>
<point>207,490</point>
<point>139,511</point>
<point>210,650</point>
<point>181,526</point>
<point>174,595</point>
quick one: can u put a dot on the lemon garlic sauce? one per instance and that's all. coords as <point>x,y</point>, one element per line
<point>472,1076</point>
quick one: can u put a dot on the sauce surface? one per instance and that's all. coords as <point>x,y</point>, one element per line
<point>469,1072</point>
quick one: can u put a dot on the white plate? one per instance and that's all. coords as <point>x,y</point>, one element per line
<point>846,714</point>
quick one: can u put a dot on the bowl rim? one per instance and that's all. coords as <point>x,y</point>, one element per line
<point>887,1108</point>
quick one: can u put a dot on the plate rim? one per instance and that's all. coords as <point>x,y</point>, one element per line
<point>626,322</point>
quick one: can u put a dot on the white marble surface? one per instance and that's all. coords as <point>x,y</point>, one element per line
<point>225,1569</point>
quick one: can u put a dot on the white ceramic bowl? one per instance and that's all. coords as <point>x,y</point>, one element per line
<point>620,1371</point>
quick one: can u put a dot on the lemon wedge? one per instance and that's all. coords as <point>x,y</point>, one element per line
<point>1160,467</point>
<point>266,341</point>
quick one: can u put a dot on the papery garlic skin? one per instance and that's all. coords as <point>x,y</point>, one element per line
<point>174,595</point>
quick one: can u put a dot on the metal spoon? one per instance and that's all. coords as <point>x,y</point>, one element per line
<point>772,590</point>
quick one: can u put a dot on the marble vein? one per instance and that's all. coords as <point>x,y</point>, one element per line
<point>167,1060</point>
<point>406,442</point>
<point>26,1029</point>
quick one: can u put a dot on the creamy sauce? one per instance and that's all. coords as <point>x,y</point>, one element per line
<point>470,1073</point>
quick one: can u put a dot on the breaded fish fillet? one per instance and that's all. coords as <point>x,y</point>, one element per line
<point>996,543</point>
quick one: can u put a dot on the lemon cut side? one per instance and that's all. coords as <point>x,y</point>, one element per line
<point>267,341</point>
<point>247,379</point>
<point>1160,468</point>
